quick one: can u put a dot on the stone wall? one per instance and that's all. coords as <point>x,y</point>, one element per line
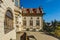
<point>4,7</point>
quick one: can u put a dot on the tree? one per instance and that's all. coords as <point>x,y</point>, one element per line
<point>54,24</point>
<point>46,26</point>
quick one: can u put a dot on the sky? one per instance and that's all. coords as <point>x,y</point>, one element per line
<point>50,7</point>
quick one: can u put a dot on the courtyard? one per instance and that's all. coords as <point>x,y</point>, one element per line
<point>41,36</point>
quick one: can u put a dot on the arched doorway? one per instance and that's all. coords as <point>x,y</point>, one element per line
<point>8,22</point>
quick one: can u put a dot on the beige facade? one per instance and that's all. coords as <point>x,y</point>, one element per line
<point>13,23</point>
<point>32,22</point>
<point>31,19</point>
<point>7,19</point>
<point>27,21</point>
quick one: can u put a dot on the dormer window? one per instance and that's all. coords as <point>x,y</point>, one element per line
<point>34,10</point>
<point>31,10</point>
<point>28,11</point>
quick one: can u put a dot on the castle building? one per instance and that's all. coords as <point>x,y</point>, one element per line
<point>32,19</point>
<point>14,21</point>
<point>8,11</point>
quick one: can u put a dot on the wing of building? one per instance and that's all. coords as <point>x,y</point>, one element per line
<point>8,11</point>
<point>31,19</point>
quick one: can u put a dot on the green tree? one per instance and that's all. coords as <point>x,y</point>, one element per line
<point>54,24</point>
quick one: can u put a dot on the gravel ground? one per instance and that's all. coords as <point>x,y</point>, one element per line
<point>41,36</point>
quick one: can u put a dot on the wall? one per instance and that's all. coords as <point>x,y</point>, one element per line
<point>34,18</point>
<point>3,8</point>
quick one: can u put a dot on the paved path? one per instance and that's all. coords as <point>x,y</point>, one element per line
<point>41,36</point>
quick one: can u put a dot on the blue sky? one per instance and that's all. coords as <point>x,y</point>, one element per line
<point>50,7</point>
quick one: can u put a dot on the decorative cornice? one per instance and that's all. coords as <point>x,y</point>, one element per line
<point>32,14</point>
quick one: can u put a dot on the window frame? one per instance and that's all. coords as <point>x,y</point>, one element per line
<point>8,22</point>
<point>37,23</point>
<point>31,22</point>
<point>24,22</point>
<point>16,3</point>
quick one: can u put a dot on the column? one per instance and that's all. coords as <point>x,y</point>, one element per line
<point>41,23</point>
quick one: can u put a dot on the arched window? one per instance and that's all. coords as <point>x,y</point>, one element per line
<point>8,22</point>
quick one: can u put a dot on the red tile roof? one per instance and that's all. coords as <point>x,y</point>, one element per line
<point>32,11</point>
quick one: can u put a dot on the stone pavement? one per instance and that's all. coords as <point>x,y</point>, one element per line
<point>41,36</point>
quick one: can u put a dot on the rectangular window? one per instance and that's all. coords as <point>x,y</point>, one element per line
<point>37,22</point>
<point>16,2</point>
<point>24,22</point>
<point>31,22</point>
